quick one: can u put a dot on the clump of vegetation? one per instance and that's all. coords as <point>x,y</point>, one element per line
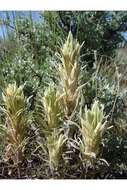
<point>51,102</point>
<point>68,72</point>
<point>92,129</point>
<point>66,121</point>
<point>16,122</point>
<point>55,142</point>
